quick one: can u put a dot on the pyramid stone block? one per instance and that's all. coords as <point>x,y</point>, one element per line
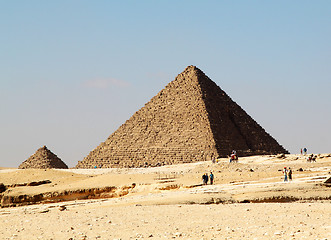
<point>43,159</point>
<point>190,120</point>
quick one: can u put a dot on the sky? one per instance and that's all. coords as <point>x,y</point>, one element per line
<point>71,72</point>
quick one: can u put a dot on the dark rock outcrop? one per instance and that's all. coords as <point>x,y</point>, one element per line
<point>2,187</point>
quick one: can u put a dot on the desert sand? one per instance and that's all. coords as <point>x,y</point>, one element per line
<point>249,200</point>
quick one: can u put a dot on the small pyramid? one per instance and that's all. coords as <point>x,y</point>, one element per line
<point>43,159</point>
<point>190,120</point>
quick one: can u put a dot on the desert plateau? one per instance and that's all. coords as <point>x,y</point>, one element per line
<point>248,200</point>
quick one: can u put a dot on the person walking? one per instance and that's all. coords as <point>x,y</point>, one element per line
<point>285,174</point>
<point>305,151</point>
<point>205,178</point>
<point>290,174</point>
<point>211,177</point>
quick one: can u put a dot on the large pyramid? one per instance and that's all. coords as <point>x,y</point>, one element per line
<point>190,120</point>
<point>43,158</point>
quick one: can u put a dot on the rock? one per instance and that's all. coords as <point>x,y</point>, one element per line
<point>328,180</point>
<point>178,234</point>
<point>282,155</point>
<point>44,211</point>
<point>2,187</point>
<point>62,208</point>
<point>38,183</point>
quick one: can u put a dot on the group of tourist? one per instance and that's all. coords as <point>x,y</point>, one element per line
<point>233,157</point>
<point>287,174</point>
<point>206,178</point>
<point>304,151</point>
<point>311,158</point>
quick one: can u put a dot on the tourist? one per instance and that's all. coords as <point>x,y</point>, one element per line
<point>290,174</point>
<point>211,177</point>
<point>311,158</point>
<point>301,151</point>
<point>305,151</point>
<point>285,174</point>
<point>205,178</point>
<point>233,157</point>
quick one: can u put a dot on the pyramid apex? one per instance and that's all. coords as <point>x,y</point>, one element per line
<point>191,68</point>
<point>43,149</point>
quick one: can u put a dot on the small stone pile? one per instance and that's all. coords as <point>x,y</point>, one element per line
<point>190,120</point>
<point>43,159</point>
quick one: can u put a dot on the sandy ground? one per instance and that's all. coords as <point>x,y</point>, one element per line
<point>170,202</point>
<point>102,220</point>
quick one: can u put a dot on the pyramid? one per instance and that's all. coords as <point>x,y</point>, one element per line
<point>43,159</point>
<point>190,120</point>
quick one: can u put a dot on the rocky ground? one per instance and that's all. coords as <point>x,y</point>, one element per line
<point>248,200</point>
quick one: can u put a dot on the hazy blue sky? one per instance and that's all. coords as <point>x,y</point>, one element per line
<point>71,72</point>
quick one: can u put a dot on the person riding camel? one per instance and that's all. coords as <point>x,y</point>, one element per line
<point>234,156</point>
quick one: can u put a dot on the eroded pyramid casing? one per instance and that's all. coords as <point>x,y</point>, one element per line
<point>43,158</point>
<point>190,120</point>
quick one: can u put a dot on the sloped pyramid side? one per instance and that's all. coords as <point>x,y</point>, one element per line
<point>43,158</point>
<point>232,127</point>
<point>173,127</point>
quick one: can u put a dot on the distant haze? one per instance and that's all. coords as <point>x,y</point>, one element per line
<point>71,72</point>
